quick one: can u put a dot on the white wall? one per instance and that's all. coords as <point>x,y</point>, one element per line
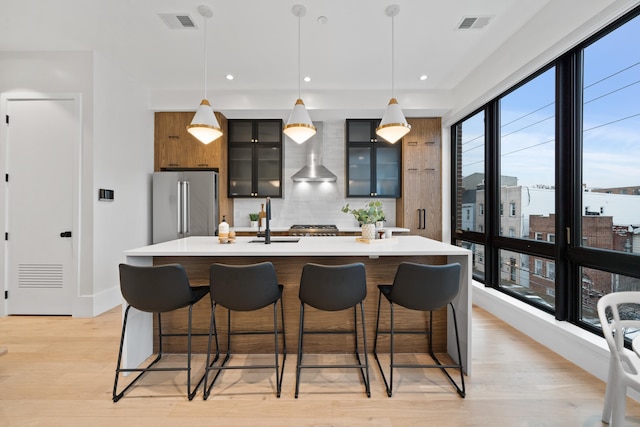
<point>122,161</point>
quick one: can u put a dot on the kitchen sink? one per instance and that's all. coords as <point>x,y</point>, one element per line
<point>277,240</point>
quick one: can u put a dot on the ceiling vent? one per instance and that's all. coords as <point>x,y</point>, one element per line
<point>178,21</point>
<point>474,22</point>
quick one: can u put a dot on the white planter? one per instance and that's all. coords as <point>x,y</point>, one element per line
<point>369,231</point>
<point>254,224</point>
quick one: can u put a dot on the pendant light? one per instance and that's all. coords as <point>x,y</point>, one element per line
<point>393,125</point>
<point>299,127</point>
<point>204,125</point>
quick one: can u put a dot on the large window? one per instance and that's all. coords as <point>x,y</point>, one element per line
<point>557,189</point>
<point>527,132</point>
<point>610,160</point>
<point>611,141</point>
<point>470,186</point>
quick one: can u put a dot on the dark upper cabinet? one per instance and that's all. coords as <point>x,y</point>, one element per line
<point>255,158</point>
<point>373,164</point>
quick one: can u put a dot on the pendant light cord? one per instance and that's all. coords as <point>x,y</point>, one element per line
<point>205,57</point>
<point>299,57</point>
<point>393,60</point>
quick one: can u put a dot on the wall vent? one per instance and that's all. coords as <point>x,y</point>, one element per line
<point>178,21</point>
<point>474,22</point>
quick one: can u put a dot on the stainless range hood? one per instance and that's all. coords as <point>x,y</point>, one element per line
<point>314,170</point>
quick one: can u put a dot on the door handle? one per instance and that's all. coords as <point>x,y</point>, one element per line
<point>65,234</point>
<point>179,208</point>
<point>419,219</point>
<point>186,215</point>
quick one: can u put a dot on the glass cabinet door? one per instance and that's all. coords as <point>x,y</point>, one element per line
<point>269,131</point>
<point>240,164</point>
<point>359,179</point>
<point>269,170</point>
<point>387,171</point>
<point>240,131</point>
<point>360,131</point>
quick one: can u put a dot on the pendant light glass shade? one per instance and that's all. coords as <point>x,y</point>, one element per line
<point>204,125</point>
<point>393,125</point>
<point>299,127</point>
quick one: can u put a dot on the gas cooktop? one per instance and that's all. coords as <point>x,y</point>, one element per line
<point>313,230</point>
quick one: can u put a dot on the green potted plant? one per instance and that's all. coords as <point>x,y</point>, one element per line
<point>367,216</point>
<point>253,217</point>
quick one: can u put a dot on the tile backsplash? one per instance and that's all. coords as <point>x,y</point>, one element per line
<point>312,202</point>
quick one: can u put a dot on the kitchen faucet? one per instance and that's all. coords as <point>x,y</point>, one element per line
<point>267,229</point>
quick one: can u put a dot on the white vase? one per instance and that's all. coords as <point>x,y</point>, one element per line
<point>369,231</point>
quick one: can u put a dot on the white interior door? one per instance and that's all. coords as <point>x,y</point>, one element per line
<point>41,136</point>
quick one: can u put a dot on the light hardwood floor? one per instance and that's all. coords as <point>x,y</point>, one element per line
<point>58,371</point>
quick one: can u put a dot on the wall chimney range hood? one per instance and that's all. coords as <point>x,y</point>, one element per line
<point>314,170</point>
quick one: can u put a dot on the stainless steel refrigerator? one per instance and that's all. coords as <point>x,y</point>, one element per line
<point>185,203</point>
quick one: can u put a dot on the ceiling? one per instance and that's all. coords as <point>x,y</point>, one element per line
<point>256,41</point>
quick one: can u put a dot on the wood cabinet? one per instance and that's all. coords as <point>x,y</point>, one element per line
<point>175,148</point>
<point>373,164</point>
<point>420,207</point>
<point>255,158</point>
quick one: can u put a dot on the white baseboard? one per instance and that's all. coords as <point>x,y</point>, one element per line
<point>94,305</point>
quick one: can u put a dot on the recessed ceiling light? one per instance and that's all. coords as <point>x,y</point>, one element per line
<point>307,79</point>
<point>322,19</point>
<point>423,77</point>
<point>229,76</point>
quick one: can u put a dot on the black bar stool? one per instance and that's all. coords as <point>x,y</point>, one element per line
<point>158,290</point>
<point>244,288</point>
<point>334,288</point>
<point>424,288</point>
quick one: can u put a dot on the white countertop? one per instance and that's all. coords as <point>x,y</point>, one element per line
<point>306,246</point>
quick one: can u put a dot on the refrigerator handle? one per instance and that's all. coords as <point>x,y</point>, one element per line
<point>179,207</point>
<point>186,206</point>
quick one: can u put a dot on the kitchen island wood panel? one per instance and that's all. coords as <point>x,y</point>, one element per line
<point>381,260</point>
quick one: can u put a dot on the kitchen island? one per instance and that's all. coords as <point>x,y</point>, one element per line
<point>289,254</point>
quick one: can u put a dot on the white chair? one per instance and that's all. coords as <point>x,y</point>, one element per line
<point>624,365</point>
